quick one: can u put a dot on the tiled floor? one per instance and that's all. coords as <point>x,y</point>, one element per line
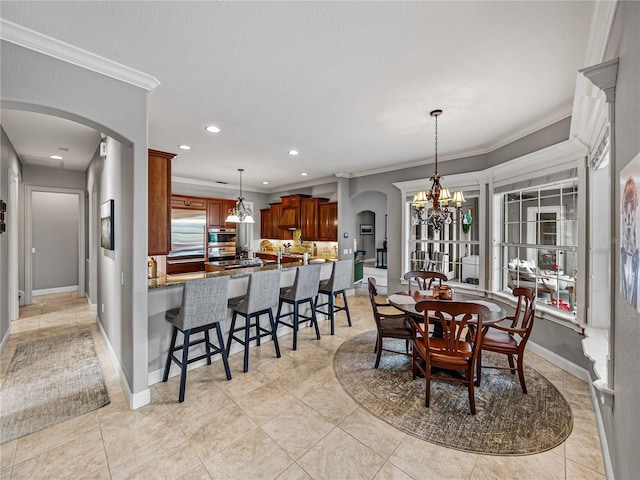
<point>287,418</point>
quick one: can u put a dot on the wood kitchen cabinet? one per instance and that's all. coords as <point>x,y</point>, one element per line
<point>185,201</point>
<point>266,228</point>
<point>328,222</point>
<point>159,205</point>
<point>309,218</point>
<point>218,211</point>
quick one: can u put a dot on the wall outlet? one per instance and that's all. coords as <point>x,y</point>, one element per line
<point>345,251</point>
<point>102,307</point>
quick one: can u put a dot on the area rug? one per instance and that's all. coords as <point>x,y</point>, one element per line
<point>508,422</point>
<point>50,381</point>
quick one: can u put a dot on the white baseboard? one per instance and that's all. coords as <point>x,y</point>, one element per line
<point>93,306</point>
<point>560,362</point>
<point>602,434</point>
<point>136,400</point>
<point>50,291</point>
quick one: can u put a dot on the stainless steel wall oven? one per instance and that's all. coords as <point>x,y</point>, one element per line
<point>221,244</point>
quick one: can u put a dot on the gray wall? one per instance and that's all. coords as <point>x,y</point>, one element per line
<point>622,421</point>
<point>55,230</point>
<point>36,82</point>
<point>8,162</point>
<point>376,203</point>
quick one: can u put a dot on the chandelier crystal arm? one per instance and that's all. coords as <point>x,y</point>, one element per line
<point>241,213</point>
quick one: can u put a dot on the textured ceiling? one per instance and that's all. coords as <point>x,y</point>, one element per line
<point>348,84</point>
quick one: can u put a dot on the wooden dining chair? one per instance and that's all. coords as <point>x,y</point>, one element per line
<point>511,340</point>
<point>390,322</point>
<point>424,279</point>
<point>455,352</point>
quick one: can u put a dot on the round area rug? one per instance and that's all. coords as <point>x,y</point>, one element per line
<point>507,422</point>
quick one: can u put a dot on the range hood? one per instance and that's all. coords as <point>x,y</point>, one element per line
<point>290,219</point>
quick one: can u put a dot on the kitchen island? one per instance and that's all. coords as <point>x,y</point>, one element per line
<point>165,292</point>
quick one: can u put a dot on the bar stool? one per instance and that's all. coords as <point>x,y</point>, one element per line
<point>304,289</point>
<point>262,294</point>
<point>339,281</point>
<point>204,306</point>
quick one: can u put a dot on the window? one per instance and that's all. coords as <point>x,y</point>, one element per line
<point>454,250</point>
<point>539,242</point>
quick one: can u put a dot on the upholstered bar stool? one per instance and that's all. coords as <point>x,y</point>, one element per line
<point>204,306</point>
<point>338,283</point>
<point>304,289</point>
<point>262,295</point>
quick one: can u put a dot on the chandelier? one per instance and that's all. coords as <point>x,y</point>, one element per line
<point>433,208</point>
<point>241,213</point>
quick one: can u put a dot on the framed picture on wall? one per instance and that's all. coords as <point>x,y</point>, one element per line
<point>106,225</point>
<point>630,231</point>
<point>366,229</point>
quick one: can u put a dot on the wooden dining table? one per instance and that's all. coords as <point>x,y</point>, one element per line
<point>407,300</point>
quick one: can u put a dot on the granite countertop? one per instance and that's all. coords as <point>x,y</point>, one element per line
<point>179,279</point>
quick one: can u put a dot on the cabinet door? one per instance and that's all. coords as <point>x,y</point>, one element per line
<point>276,214</point>
<point>328,228</point>
<point>265,223</point>
<point>184,201</point>
<point>214,215</point>
<point>159,208</point>
<point>309,219</point>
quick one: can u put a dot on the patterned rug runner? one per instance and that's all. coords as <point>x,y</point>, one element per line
<point>508,422</point>
<point>50,381</point>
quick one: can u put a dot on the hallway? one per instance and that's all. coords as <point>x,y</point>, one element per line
<point>286,418</point>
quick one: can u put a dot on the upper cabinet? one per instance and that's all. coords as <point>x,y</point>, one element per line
<point>309,218</point>
<point>159,205</point>
<point>290,219</point>
<point>192,203</point>
<point>328,222</point>
<point>218,211</point>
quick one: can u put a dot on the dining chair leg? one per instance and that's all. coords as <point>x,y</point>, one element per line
<point>278,314</point>
<point>185,362</point>
<point>521,373</point>
<point>223,352</point>
<point>511,364</point>
<point>314,318</point>
<point>378,349</point>
<point>273,333</point>
<point>231,329</point>
<point>295,325</point>
<point>207,346</point>
<point>258,336</point>
<point>478,369</point>
<point>472,397</point>
<point>331,313</point>
<point>346,307</point>
<point>247,335</point>
<point>167,365</point>
<point>427,378</point>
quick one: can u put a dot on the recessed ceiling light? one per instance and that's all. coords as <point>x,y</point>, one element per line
<point>304,174</point>
<point>293,152</point>
<point>56,157</point>
<point>265,183</point>
<point>212,129</point>
<point>184,147</point>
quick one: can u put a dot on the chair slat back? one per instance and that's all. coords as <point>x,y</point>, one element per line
<point>422,279</point>
<point>525,309</point>
<point>455,318</point>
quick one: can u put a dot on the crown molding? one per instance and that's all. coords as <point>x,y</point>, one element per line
<point>601,24</point>
<point>36,41</point>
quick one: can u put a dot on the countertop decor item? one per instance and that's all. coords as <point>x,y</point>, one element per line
<point>432,207</point>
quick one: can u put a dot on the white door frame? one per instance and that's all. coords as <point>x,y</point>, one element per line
<point>12,228</point>
<point>28,280</point>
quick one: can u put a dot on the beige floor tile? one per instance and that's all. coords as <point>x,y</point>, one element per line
<point>25,324</point>
<point>166,457</point>
<point>331,401</point>
<point>7,454</point>
<point>209,435</point>
<point>149,423</point>
<point>583,447</point>
<point>101,474</point>
<point>435,461</point>
<point>542,466</point>
<point>253,456</point>
<point>196,473</point>
<point>243,382</point>
<point>56,435</point>
<point>376,434</point>
<point>275,367</point>
<point>575,471</point>
<point>294,472</point>
<point>265,402</point>
<point>390,472</point>
<point>339,455</point>
<point>81,456</point>
<point>297,429</point>
<point>304,379</point>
